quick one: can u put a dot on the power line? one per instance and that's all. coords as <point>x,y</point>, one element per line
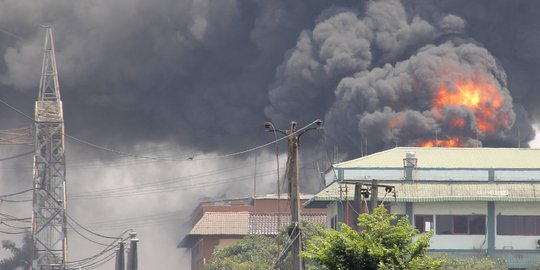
<point>5,232</point>
<point>16,193</point>
<point>86,261</point>
<point>188,158</point>
<point>14,227</point>
<point>16,156</point>
<point>97,234</point>
<point>160,190</point>
<point>168,182</point>
<point>83,236</point>
<point>137,222</point>
<point>11,34</point>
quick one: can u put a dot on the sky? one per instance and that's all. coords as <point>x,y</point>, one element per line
<point>158,95</point>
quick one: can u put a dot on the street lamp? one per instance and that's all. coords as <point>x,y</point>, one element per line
<point>270,128</point>
<point>293,139</point>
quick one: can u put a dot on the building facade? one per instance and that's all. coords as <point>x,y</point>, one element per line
<point>476,201</point>
<point>219,224</point>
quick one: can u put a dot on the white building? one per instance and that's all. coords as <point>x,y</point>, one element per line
<point>477,201</point>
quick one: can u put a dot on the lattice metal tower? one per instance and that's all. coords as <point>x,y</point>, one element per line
<point>49,196</point>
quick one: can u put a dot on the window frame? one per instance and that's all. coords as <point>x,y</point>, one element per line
<point>517,231</point>
<point>453,218</point>
<point>424,219</point>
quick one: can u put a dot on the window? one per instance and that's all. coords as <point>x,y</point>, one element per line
<point>518,225</point>
<point>462,224</point>
<point>423,223</point>
<point>333,222</point>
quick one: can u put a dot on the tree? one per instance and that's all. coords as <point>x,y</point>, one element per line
<point>382,245</point>
<point>253,252</point>
<point>20,257</point>
<point>258,252</point>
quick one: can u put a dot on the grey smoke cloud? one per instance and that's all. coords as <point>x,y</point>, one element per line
<point>408,59</point>
<point>396,101</point>
<point>206,74</point>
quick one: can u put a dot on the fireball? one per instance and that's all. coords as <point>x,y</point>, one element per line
<point>483,99</point>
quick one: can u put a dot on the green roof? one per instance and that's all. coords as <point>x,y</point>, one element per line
<point>450,158</point>
<point>438,192</point>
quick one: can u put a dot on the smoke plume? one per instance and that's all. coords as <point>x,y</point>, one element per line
<point>198,78</point>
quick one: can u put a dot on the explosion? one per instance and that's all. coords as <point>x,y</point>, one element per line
<point>479,96</point>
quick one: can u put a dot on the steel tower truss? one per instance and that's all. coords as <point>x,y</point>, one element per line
<point>49,187</point>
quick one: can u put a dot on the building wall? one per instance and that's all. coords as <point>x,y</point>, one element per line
<point>203,250</point>
<point>225,242</point>
<point>474,242</point>
<point>397,208</point>
<point>450,208</point>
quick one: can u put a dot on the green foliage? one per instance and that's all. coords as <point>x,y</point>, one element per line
<point>381,246</point>
<point>253,252</point>
<point>472,263</point>
<point>257,252</point>
<point>20,257</point>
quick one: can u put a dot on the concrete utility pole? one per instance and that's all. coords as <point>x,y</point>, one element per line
<point>120,260</point>
<point>132,263</point>
<point>293,139</point>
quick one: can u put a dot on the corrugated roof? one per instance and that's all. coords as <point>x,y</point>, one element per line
<point>223,223</point>
<point>450,158</point>
<point>243,223</point>
<point>267,224</point>
<point>433,192</point>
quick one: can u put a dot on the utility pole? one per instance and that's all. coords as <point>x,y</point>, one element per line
<point>294,194</point>
<point>132,263</point>
<point>49,183</point>
<point>120,260</point>
<point>293,176</point>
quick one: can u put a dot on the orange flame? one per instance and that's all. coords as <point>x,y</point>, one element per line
<point>451,142</point>
<point>482,98</point>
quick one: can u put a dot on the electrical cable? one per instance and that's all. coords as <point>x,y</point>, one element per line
<point>164,189</point>
<point>15,201</point>
<point>16,193</point>
<point>94,233</point>
<point>137,222</point>
<point>82,262</point>
<point>13,218</point>
<point>286,247</point>
<point>90,260</point>
<point>5,232</point>
<point>191,158</point>
<point>167,183</point>
<point>17,110</point>
<point>11,34</point>
<point>15,227</point>
<point>83,236</point>
<point>16,156</point>
<point>100,263</point>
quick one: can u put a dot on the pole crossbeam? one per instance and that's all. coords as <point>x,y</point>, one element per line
<point>16,136</point>
<point>49,224</point>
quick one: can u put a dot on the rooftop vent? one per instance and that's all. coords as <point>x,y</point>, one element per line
<point>410,160</point>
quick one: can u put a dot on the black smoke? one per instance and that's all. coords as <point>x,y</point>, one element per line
<point>204,76</point>
<point>207,74</point>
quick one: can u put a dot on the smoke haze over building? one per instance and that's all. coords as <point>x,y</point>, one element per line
<point>199,78</point>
